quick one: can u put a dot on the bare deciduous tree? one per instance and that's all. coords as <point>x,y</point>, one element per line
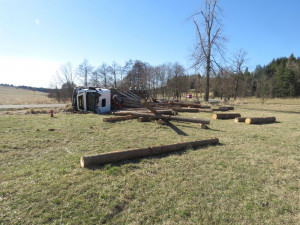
<point>85,70</point>
<point>237,67</point>
<point>65,79</point>
<point>210,41</point>
<point>104,72</point>
<point>114,68</point>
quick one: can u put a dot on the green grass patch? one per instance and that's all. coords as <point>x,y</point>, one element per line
<point>252,177</point>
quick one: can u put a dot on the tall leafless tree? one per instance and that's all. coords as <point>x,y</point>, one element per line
<point>84,70</point>
<point>104,72</point>
<point>210,41</point>
<point>237,67</point>
<point>65,79</point>
<point>113,69</point>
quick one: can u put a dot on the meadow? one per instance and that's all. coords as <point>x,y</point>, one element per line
<point>251,177</point>
<point>19,96</point>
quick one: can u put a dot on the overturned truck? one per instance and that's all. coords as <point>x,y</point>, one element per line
<point>91,99</point>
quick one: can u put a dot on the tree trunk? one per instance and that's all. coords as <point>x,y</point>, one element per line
<point>260,120</point>
<point>225,115</point>
<point>207,81</point>
<point>239,119</point>
<point>112,157</point>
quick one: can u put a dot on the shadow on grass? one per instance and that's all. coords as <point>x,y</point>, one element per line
<point>132,164</point>
<point>263,124</point>
<point>176,129</point>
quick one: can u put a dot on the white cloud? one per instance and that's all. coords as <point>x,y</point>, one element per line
<point>37,22</point>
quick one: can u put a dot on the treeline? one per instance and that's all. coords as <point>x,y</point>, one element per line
<point>27,87</point>
<point>280,78</point>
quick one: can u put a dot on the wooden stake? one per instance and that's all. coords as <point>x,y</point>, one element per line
<point>112,157</point>
<point>260,120</point>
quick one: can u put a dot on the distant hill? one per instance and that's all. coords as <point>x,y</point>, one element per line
<point>11,95</point>
<point>46,90</point>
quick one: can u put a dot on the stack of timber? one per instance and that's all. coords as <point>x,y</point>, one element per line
<point>260,120</point>
<point>225,115</point>
<point>112,157</point>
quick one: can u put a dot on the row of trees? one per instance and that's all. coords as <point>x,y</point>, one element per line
<point>280,78</point>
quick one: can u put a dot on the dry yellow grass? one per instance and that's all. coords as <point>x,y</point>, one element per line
<point>19,96</point>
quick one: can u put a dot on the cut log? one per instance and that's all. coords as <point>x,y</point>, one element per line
<point>143,119</point>
<point>161,111</point>
<point>220,109</point>
<point>119,118</point>
<point>260,120</point>
<point>227,107</point>
<point>166,118</point>
<point>112,157</point>
<point>192,105</point>
<point>239,119</point>
<point>185,109</point>
<point>191,110</point>
<point>149,107</point>
<point>225,115</point>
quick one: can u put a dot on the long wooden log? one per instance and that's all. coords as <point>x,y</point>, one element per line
<point>260,120</point>
<point>119,118</point>
<point>220,109</point>
<point>225,115</point>
<point>164,117</point>
<point>239,119</point>
<point>112,157</point>
<point>193,105</point>
<point>191,110</point>
<point>129,112</point>
<point>149,107</point>
<point>227,107</point>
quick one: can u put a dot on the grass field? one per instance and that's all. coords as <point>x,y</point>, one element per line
<point>251,177</point>
<point>19,96</point>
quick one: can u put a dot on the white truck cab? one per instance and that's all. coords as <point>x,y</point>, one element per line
<point>92,99</point>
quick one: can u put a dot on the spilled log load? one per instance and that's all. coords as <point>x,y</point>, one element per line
<point>225,115</point>
<point>112,157</point>
<point>260,120</point>
<point>239,119</point>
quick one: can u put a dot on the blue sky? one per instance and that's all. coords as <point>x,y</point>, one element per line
<point>37,36</point>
